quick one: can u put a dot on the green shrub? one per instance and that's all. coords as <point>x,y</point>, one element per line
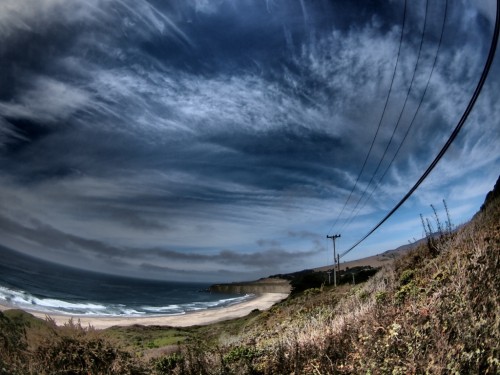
<point>241,353</point>
<point>13,344</point>
<point>152,345</point>
<point>406,290</point>
<point>362,294</point>
<point>166,365</point>
<point>380,297</point>
<point>406,277</point>
<point>312,291</point>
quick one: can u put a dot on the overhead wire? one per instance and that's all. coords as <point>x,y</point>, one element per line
<point>417,109</point>
<point>352,215</point>
<point>454,134</point>
<point>380,121</point>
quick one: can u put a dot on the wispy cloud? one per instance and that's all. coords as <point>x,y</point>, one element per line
<point>129,127</point>
<point>47,100</point>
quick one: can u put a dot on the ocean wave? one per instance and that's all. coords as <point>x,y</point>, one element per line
<point>25,300</point>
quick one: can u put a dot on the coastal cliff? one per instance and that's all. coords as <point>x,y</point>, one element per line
<point>267,285</point>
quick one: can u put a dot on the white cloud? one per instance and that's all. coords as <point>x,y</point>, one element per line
<point>206,6</point>
<point>33,15</point>
<point>46,100</point>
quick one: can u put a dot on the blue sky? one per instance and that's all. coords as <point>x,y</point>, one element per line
<point>222,139</point>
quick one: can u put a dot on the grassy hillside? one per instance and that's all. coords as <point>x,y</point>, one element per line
<point>435,310</point>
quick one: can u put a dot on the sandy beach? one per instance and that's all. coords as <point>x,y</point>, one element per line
<point>261,302</point>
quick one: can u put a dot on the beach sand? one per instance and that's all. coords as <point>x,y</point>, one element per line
<point>261,302</point>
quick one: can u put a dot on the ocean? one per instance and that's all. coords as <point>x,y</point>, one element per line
<point>30,283</point>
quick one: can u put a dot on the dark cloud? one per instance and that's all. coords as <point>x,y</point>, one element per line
<point>133,218</point>
<point>148,267</point>
<point>304,234</point>
<point>269,259</point>
<point>43,236</point>
<point>55,241</point>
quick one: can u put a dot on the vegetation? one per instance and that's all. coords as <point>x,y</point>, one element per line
<point>435,310</point>
<point>33,346</point>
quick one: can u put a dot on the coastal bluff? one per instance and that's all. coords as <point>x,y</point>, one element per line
<point>261,286</point>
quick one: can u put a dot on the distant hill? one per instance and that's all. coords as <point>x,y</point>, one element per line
<point>375,261</point>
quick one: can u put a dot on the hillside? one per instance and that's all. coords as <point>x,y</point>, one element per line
<point>434,310</point>
<point>266,285</point>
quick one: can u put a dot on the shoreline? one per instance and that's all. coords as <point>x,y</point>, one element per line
<point>261,302</point>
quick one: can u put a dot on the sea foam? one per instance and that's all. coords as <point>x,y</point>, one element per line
<point>25,300</point>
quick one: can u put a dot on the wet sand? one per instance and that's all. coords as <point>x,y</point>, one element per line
<point>262,302</point>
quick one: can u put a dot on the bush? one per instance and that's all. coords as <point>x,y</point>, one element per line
<point>312,292</point>
<point>406,277</point>
<point>166,365</point>
<point>241,353</point>
<point>380,297</point>
<point>82,355</point>
<point>13,344</point>
<point>406,290</point>
<point>306,280</point>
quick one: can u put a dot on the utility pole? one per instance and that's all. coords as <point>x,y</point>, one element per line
<point>335,258</point>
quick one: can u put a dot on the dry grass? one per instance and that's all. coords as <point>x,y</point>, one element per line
<point>37,347</point>
<point>435,310</point>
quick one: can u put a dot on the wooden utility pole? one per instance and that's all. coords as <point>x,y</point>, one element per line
<point>335,258</point>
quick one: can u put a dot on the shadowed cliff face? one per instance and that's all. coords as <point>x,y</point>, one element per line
<point>492,195</point>
<point>254,287</point>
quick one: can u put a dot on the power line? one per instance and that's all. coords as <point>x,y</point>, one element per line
<point>418,107</point>
<point>453,135</point>
<point>352,215</point>
<point>380,122</point>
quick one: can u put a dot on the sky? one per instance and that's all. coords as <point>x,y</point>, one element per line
<point>222,140</point>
